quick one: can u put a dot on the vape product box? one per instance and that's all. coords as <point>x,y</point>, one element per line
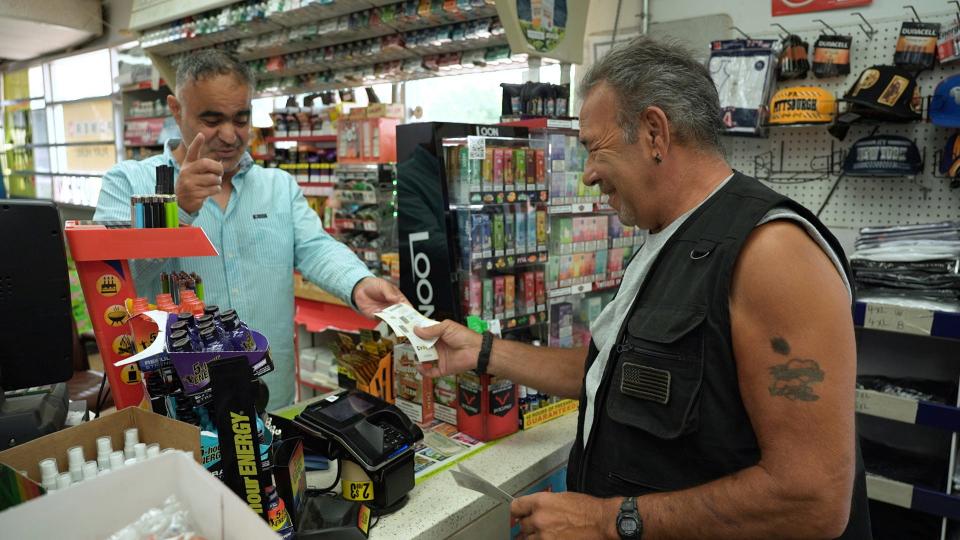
<point>508,179</point>
<point>487,313</point>
<point>521,221</point>
<point>541,230</point>
<point>445,399</point>
<point>566,234</point>
<point>509,231</point>
<point>487,173</point>
<point>475,296</point>
<point>531,169</point>
<point>497,240</point>
<point>530,291</point>
<point>414,393</point>
<point>498,300</point>
<point>541,166</point>
<point>541,285</point>
<point>509,296</point>
<point>520,168</point>
<point>601,263</point>
<point>531,229</point>
<point>498,155</point>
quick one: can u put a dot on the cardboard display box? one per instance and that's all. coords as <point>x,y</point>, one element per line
<point>414,393</point>
<point>153,428</point>
<point>97,508</point>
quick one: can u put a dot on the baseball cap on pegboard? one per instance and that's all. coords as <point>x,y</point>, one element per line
<point>885,93</point>
<point>950,159</point>
<point>802,105</point>
<point>883,155</point>
<point>945,103</point>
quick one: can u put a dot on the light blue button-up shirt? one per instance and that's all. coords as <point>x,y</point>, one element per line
<point>265,232</point>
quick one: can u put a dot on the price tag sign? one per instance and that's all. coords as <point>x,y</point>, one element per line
<point>887,406</point>
<point>476,147</point>
<point>358,491</point>
<point>893,318</point>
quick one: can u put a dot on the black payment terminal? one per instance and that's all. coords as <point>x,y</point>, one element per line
<point>374,432</point>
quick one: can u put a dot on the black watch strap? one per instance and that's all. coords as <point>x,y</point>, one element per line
<point>629,523</point>
<point>485,347</point>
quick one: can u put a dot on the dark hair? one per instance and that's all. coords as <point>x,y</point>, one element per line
<point>200,65</point>
<point>663,73</point>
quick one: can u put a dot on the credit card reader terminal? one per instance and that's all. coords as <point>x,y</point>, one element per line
<point>374,434</point>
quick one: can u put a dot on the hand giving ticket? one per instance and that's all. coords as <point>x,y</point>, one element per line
<point>402,319</point>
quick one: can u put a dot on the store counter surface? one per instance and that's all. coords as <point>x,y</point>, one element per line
<point>439,508</point>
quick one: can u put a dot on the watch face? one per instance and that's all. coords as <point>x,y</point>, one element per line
<point>628,526</point>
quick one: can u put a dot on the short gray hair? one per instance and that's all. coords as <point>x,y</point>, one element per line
<point>663,73</point>
<point>206,63</point>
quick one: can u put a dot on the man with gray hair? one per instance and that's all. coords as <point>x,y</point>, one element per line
<point>257,218</point>
<point>717,396</point>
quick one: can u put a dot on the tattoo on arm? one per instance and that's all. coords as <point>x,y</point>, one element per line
<point>794,379</point>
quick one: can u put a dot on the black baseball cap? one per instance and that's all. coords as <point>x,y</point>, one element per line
<point>883,155</point>
<point>884,93</point>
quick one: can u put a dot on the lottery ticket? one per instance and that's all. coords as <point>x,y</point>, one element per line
<point>402,319</point>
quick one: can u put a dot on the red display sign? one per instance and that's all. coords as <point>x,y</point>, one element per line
<point>792,7</point>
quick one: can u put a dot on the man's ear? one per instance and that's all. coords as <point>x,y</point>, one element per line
<point>175,109</point>
<point>655,132</point>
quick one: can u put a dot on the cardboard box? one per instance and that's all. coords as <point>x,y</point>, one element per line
<point>385,110</point>
<point>445,399</point>
<point>152,427</point>
<point>414,392</point>
<point>97,508</point>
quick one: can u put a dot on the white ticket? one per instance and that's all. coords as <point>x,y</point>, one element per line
<point>468,479</point>
<point>402,319</point>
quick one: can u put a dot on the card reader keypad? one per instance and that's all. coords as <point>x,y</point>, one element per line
<point>393,438</point>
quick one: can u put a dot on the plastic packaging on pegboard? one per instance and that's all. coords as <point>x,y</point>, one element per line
<point>857,201</point>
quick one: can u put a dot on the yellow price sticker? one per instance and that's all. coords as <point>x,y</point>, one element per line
<point>358,491</point>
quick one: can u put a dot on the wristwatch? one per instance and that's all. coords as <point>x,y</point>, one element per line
<point>629,524</point>
<point>483,360</point>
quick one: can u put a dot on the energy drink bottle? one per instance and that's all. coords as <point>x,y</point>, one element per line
<point>277,515</point>
<point>211,341</point>
<point>211,320</point>
<point>238,334</point>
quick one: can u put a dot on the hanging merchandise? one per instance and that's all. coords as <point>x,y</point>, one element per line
<point>950,160</point>
<point>883,155</point>
<point>794,63</point>
<point>948,46</point>
<point>883,93</point>
<point>917,46</point>
<point>945,103</point>
<point>831,56</point>
<point>802,105</point>
<point>742,71</point>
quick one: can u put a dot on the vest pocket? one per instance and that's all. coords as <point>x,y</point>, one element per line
<point>659,371</point>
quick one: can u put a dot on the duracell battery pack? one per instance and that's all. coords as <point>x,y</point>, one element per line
<point>917,45</point>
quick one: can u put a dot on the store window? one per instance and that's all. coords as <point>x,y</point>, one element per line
<point>469,98</point>
<point>81,76</point>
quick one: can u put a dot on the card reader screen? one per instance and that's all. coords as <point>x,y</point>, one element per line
<point>346,408</point>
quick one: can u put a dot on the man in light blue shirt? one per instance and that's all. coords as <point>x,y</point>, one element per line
<point>257,218</point>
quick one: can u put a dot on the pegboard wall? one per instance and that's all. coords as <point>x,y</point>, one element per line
<point>857,202</point>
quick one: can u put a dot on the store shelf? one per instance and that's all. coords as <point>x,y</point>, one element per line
<point>579,208</point>
<point>237,31</point>
<point>524,321</point>
<point>458,46</point>
<point>541,123</point>
<point>912,497</point>
<point>361,59</point>
<point>322,40</point>
<point>506,197</point>
<point>910,411</point>
<point>320,316</point>
<point>439,19</point>
<point>302,138</point>
<point>907,320</point>
<point>559,294</point>
<point>506,262</point>
<point>144,85</point>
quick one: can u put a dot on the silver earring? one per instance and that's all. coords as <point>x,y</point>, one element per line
<point>658,158</point>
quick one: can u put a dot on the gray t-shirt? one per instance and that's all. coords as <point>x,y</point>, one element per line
<point>607,325</point>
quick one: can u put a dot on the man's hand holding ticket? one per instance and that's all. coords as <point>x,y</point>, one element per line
<point>402,319</point>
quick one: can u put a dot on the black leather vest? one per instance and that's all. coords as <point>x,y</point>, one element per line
<point>668,413</point>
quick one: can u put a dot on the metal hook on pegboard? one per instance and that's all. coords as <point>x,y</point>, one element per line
<point>914,10</point>
<point>869,33</point>
<point>741,32</point>
<point>827,26</point>
<point>785,31</point>
<point>819,168</point>
<point>957,14</point>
